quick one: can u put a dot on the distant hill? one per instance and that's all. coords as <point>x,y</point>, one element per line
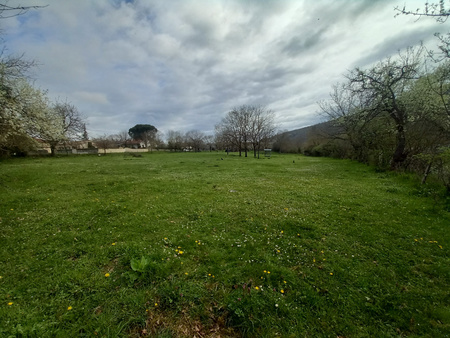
<point>298,139</point>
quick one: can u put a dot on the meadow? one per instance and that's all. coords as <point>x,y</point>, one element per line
<point>210,245</point>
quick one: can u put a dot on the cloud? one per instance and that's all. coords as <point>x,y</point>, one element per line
<point>182,65</point>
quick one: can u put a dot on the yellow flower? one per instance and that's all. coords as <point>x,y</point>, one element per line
<point>284,282</point>
<point>439,246</point>
<point>282,291</point>
<point>286,209</point>
<point>106,274</point>
<point>113,244</point>
<point>268,271</point>
<point>209,274</point>
<point>186,273</point>
<point>331,274</point>
<point>180,252</point>
<point>278,250</point>
<point>156,304</point>
<point>12,209</point>
<point>257,288</point>
<point>314,260</point>
<point>265,271</point>
<point>69,308</point>
<point>10,303</point>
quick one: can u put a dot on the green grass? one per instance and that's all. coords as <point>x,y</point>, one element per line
<point>351,252</point>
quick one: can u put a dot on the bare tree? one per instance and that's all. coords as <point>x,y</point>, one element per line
<point>104,142</point>
<point>9,11</point>
<point>175,140</point>
<point>246,125</point>
<point>122,138</point>
<point>71,123</point>
<point>440,12</point>
<point>195,139</point>
<point>437,10</point>
<point>382,86</point>
<point>261,127</point>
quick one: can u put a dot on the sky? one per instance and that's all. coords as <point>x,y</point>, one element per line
<point>183,64</point>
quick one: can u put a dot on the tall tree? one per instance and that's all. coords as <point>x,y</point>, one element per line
<point>71,125</point>
<point>245,125</point>
<point>382,87</point>
<point>195,139</point>
<point>143,132</point>
<point>261,127</point>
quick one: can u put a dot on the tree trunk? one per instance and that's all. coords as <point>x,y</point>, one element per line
<point>399,154</point>
<point>427,172</point>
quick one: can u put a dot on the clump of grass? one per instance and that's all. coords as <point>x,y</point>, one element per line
<point>184,244</point>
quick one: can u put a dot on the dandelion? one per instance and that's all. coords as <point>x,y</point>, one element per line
<point>268,271</point>
<point>113,243</point>
<point>282,231</point>
<point>331,274</point>
<point>265,271</point>
<point>10,303</point>
<point>284,282</point>
<point>440,246</point>
<point>156,304</point>
<point>186,273</point>
<point>69,308</point>
<point>415,240</point>
<point>107,275</point>
<point>257,288</point>
<point>278,250</point>
<point>286,209</point>
<point>180,252</point>
<point>282,291</point>
<point>314,260</point>
<point>209,274</point>
<point>12,209</point>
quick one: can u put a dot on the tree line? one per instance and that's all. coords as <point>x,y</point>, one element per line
<point>246,128</point>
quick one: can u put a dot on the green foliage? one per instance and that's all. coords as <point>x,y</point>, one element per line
<point>139,131</point>
<point>288,246</point>
<point>140,265</point>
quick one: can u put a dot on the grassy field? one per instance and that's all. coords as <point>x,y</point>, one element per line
<point>173,245</point>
